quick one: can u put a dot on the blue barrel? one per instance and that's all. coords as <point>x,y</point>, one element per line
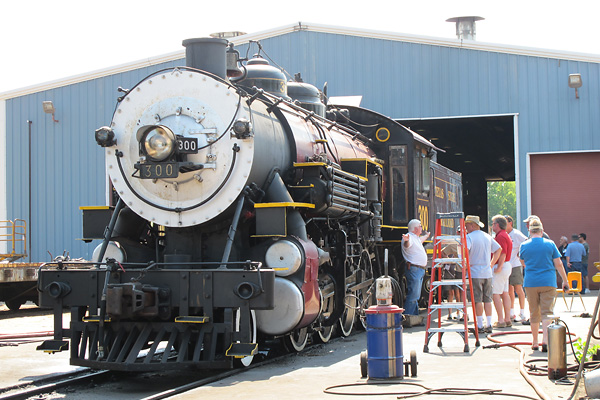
<point>384,342</point>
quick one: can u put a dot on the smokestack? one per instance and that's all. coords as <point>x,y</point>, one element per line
<point>207,54</point>
<point>465,27</point>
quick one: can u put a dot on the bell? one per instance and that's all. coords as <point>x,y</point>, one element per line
<point>233,57</point>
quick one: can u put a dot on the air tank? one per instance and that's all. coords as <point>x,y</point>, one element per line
<point>557,350</point>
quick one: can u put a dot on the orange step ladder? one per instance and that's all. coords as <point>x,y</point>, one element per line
<point>461,259</point>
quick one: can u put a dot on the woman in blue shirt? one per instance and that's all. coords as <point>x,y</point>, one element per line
<point>541,259</point>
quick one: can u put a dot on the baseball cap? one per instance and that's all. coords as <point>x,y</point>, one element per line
<point>530,218</point>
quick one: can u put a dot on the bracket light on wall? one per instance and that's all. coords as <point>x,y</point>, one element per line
<point>49,109</point>
<point>575,82</point>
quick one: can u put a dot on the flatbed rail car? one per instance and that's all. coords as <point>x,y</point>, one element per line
<point>18,283</point>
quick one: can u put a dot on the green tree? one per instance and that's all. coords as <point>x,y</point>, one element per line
<point>502,199</point>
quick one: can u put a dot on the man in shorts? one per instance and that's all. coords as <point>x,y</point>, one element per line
<point>502,271</point>
<point>481,246</point>
<point>515,281</point>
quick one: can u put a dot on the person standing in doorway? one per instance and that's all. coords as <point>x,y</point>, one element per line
<point>515,281</point>
<point>416,262</point>
<point>502,271</point>
<point>584,261</point>
<point>481,246</point>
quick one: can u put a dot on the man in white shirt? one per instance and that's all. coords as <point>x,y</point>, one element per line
<point>516,277</point>
<point>481,246</point>
<point>416,262</point>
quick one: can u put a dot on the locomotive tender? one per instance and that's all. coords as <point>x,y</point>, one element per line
<point>245,209</point>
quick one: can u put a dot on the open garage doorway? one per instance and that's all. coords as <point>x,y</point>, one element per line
<point>482,148</point>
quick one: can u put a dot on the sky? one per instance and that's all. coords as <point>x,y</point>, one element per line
<point>42,41</point>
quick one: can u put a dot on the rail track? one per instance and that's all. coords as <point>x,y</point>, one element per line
<point>51,384</point>
<point>91,384</point>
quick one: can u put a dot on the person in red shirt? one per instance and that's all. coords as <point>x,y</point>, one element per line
<point>502,271</point>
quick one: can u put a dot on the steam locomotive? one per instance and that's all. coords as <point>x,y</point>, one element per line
<point>245,209</point>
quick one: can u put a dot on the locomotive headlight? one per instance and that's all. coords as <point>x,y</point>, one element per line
<point>158,143</point>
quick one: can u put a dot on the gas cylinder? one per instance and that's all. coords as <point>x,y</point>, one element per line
<point>557,350</point>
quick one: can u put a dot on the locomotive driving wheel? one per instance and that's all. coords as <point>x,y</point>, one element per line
<point>296,341</point>
<point>246,361</point>
<point>347,318</point>
<point>365,299</point>
<point>327,303</point>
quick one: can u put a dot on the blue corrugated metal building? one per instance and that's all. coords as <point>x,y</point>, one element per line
<point>442,88</point>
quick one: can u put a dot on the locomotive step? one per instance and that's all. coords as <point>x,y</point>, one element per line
<point>240,350</point>
<point>53,346</point>
<point>96,318</point>
<point>192,319</point>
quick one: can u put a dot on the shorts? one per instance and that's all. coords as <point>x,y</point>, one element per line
<point>541,302</point>
<point>584,271</point>
<point>482,290</point>
<point>500,279</point>
<point>516,276</point>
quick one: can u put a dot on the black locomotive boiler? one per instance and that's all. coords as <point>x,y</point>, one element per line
<point>245,209</point>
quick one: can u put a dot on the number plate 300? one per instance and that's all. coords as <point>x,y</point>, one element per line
<point>158,171</point>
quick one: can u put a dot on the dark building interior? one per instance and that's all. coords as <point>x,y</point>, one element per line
<point>480,148</point>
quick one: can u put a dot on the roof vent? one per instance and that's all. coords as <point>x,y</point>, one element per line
<point>465,27</point>
<point>227,35</point>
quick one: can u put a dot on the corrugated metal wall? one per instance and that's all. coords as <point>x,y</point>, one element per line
<point>399,79</point>
<point>410,80</point>
<point>67,166</point>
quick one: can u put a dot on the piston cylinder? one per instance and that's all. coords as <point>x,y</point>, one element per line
<point>557,350</point>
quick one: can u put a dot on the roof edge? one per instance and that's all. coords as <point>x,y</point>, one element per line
<point>147,62</point>
<point>301,26</point>
<point>437,41</point>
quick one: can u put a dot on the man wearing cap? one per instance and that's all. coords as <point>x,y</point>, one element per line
<point>541,260</point>
<point>575,252</point>
<point>481,246</point>
<point>531,217</point>
<point>515,281</point>
<point>416,262</point>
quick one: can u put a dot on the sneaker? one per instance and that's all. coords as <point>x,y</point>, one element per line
<point>499,324</point>
<point>488,329</point>
<point>479,330</point>
<point>526,322</point>
<point>586,291</point>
